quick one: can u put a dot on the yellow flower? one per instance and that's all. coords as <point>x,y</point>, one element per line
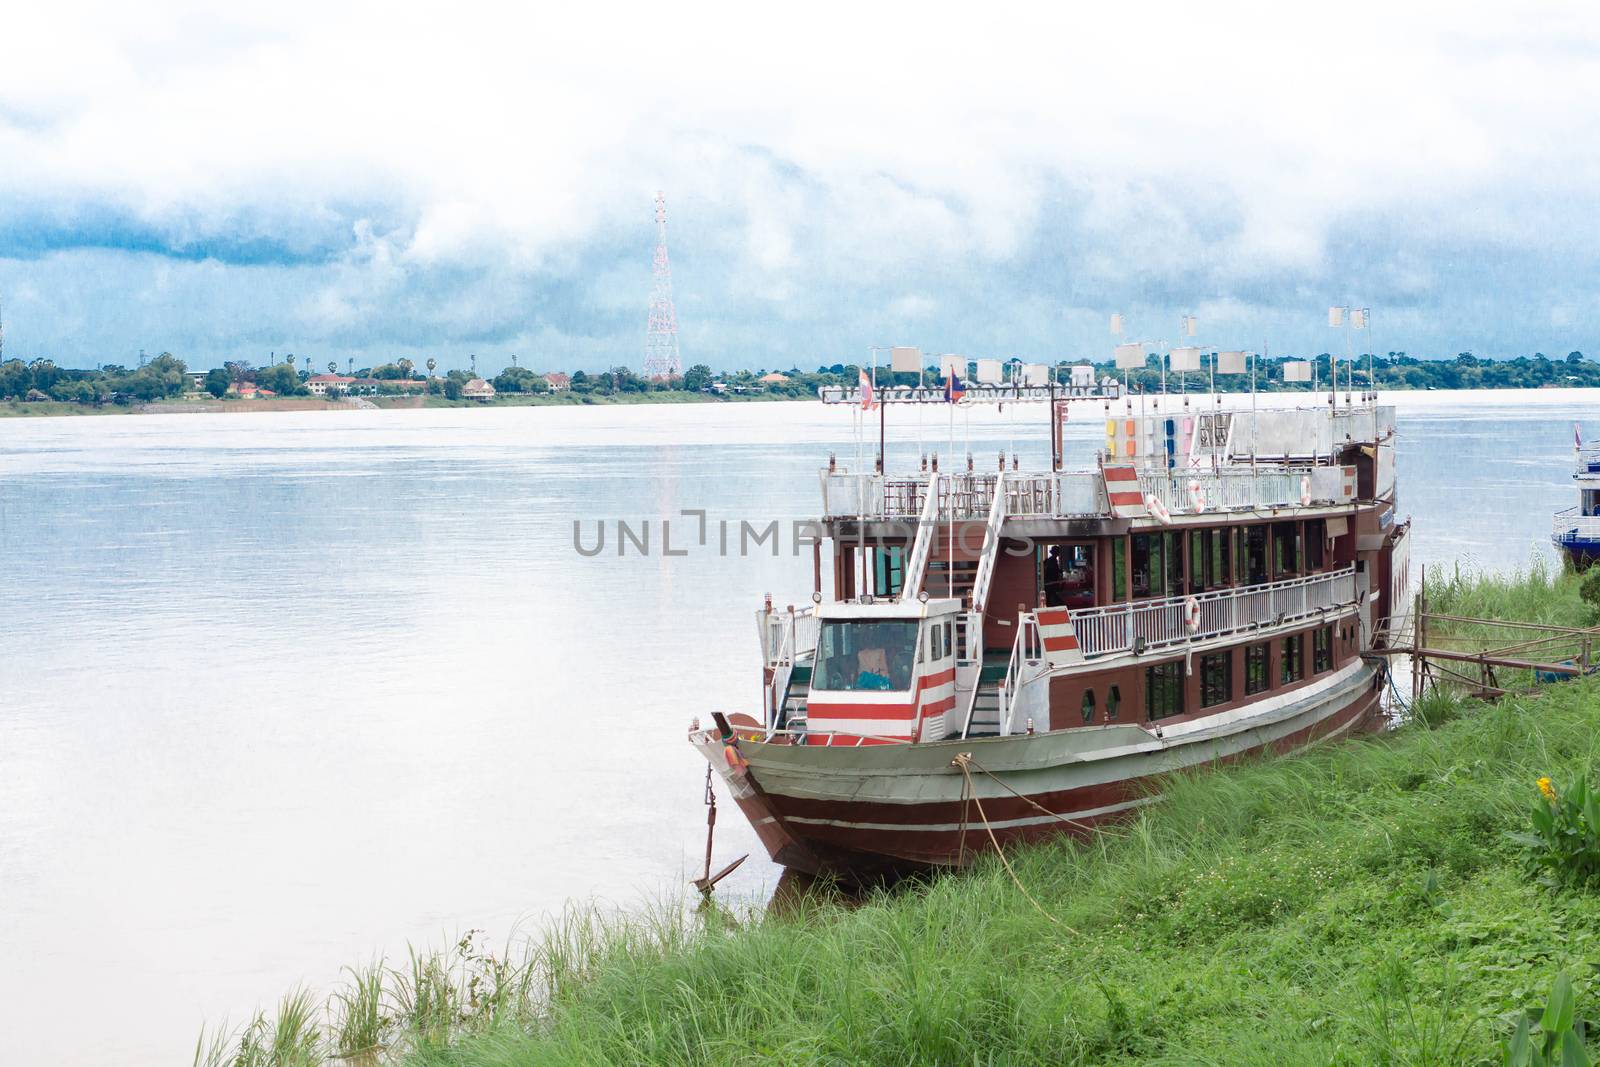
<point>1547,789</point>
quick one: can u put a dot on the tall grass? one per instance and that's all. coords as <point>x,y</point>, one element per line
<point>1358,904</point>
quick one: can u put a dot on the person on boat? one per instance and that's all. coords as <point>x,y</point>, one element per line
<point>872,666</point>
<point>1054,578</point>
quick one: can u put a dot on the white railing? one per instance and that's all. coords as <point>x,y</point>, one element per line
<point>991,548</point>
<point>786,636</point>
<point>1073,494</point>
<point>1151,624</point>
<point>967,495</point>
<point>1026,664</point>
<point>1569,525</point>
<point>917,565</point>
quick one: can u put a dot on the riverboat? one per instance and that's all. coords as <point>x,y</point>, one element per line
<point>993,656</point>
<point>1576,530</point>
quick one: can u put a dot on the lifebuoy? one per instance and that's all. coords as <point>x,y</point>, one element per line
<point>1197,495</point>
<point>1154,505</point>
<point>1305,489</point>
<point>1191,615</point>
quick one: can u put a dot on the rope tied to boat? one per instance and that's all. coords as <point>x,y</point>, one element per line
<point>963,761</point>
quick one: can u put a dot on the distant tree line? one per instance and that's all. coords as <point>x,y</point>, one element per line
<point>166,376</point>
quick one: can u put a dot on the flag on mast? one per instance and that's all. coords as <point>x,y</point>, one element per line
<point>868,401</point>
<point>1577,438</point>
<point>953,389</point>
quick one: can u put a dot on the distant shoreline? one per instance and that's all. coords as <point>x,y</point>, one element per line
<point>206,405</point>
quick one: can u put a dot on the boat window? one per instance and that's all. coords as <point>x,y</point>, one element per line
<point>1119,570</point>
<point>1255,554</point>
<point>1256,678</point>
<point>1163,690</point>
<point>1285,549</point>
<point>1113,699</point>
<point>1066,575</point>
<point>1291,666</point>
<point>1315,544</point>
<point>1216,679</point>
<point>1088,705</point>
<point>861,654</point>
<point>1157,565</point>
<point>1322,649</point>
<point>1209,563</point>
<point>891,569</point>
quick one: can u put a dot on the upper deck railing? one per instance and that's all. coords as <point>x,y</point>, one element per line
<point>1077,494</point>
<point>1571,525</point>
<point>1154,624</point>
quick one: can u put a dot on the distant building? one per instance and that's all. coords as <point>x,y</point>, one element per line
<point>324,384</point>
<point>478,389</point>
<point>197,379</point>
<point>35,395</point>
<point>773,379</point>
<point>363,387</point>
<point>252,391</point>
<point>558,382</point>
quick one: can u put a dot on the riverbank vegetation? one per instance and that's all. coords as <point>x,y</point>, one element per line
<point>1369,902</point>
<point>30,387</point>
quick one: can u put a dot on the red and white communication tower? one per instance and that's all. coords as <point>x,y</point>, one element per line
<point>661,341</point>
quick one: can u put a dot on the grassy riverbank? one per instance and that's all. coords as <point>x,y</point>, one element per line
<point>1358,904</point>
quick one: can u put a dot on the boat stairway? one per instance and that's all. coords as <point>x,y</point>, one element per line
<point>792,715</point>
<point>986,708</point>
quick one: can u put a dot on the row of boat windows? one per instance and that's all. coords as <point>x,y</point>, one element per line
<point>1218,558</point>
<point>1164,682</point>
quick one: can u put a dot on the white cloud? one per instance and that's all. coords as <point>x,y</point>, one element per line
<point>818,163</point>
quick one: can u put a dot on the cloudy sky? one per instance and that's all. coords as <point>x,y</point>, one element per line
<point>360,182</point>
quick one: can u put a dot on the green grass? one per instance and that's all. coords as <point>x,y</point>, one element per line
<point>1359,904</point>
<point>1542,593</point>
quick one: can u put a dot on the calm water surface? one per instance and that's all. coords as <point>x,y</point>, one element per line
<point>282,692</point>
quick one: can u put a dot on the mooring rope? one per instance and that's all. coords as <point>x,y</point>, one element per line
<point>961,761</point>
<point>1034,803</point>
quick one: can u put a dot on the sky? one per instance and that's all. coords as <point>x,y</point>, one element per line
<point>370,181</point>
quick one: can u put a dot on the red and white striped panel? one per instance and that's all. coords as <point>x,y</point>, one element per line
<point>936,695</point>
<point>1122,491</point>
<point>870,714</point>
<point>1059,638</point>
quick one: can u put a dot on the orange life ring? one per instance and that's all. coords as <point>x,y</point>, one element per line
<point>1154,505</point>
<point>1191,615</point>
<point>1197,495</point>
<point>1305,489</point>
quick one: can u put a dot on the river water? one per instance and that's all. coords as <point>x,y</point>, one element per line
<point>282,692</point>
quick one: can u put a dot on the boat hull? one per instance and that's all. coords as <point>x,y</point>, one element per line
<point>875,811</point>
<point>1580,554</point>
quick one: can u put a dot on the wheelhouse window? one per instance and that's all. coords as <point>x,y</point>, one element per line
<point>865,654</point>
<point>1216,679</point>
<point>1292,666</point>
<point>1256,662</point>
<point>1322,649</point>
<point>1157,565</point>
<point>1088,705</point>
<point>1119,570</point>
<point>1113,701</point>
<point>1163,690</point>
